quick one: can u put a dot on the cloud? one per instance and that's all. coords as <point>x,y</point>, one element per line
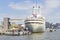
<point>50,10</point>
<point>46,9</point>
<point>18,6</point>
<point>50,5</point>
<point>25,5</point>
<point>21,5</point>
<point>54,17</point>
<point>27,1</point>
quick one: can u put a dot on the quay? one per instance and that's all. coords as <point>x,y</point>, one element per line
<point>16,33</point>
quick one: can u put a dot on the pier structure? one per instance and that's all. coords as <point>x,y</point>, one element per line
<point>7,23</point>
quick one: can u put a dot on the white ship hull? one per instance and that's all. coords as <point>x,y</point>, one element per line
<point>35,22</point>
<point>36,27</point>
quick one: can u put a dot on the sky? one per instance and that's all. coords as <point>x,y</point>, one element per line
<point>50,9</point>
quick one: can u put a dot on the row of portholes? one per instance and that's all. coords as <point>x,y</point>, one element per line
<point>34,20</point>
<point>33,23</point>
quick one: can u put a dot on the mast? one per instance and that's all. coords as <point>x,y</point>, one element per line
<point>36,3</point>
<point>36,8</point>
<point>39,10</point>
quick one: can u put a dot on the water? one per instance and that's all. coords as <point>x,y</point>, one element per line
<point>39,36</point>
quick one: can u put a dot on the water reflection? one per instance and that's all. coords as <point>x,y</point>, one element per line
<point>36,36</point>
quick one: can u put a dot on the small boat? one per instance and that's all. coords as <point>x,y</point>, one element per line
<point>25,33</point>
<point>21,33</point>
<point>11,33</point>
<point>51,30</point>
<point>54,30</point>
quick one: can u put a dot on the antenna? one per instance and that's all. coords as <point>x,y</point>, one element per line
<point>37,7</point>
<point>36,3</point>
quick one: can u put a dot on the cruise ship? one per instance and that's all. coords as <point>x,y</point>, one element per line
<point>35,22</point>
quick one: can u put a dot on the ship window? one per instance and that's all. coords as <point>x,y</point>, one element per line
<point>38,23</point>
<point>33,20</point>
<point>27,23</point>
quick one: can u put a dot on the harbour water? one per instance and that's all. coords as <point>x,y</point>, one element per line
<point>36,36</point>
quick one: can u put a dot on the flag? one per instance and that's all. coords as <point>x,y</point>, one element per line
<point>34,15</point>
